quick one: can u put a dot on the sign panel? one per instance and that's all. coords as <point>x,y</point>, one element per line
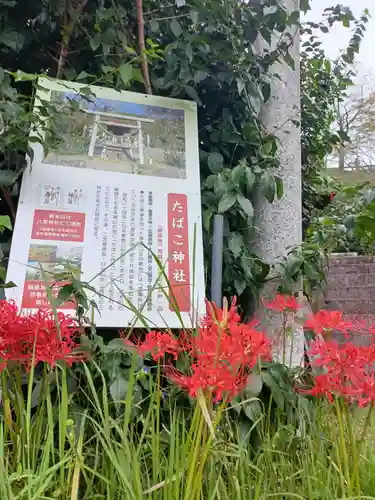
<point>124,178</point>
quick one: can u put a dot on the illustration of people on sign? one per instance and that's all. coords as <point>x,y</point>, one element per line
<point>74,197</point>
<point>50,195</point>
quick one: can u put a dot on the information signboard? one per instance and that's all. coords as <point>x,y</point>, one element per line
<point>123,178</point>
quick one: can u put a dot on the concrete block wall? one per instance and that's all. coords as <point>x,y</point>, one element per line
<point>351,288</point>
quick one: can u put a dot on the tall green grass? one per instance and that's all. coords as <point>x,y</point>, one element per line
<point>85,446</point>
<point>58,451</point>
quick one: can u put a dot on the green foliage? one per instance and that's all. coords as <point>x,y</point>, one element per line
<point>306,264</point>
<point>348,224</point>
<point>210,57</point>
<point>323,86</point>
<point>204,52</point>
<point>53,447</point>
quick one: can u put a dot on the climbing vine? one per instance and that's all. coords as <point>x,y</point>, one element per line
<point>193,50</point>
<point>202,51</point>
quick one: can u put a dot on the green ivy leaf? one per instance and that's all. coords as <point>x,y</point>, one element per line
<point>245,427</point>
<point>176,28</point>
<point>247,265</point>
<point>294,18</point>
<point>246,205</point>
<point>349,221</point>
<point>117,344</point>
<point>154,26</point>
<point>305,5</point>
<point>189,51</point>
<point>240,286</point>
<point>250,178</point>
<point>82,76</point>
<point>289,61</point>
<point>215,162</point>
<point>13,39</point>
<point>253,410</point>
<point>235,244</point>
<point>227,202</point>
<point>268,187</point>
<point>5,222</point>
<point>279,187</point>
<point>238,173</point>
<point>126,73</point>
<point>200,76</point>
<point>119,389</point>
<point>274,387</point>
<point>9,284</point>
<point>206,217</point>
<point>254,384</point>
<point>210,181</point>
<point>191,92</point>
<point>21,76</point>
<point>266,149</point>
<point>65,294</point>
<point>95,42</point>
<point>222,186</point>
<point>293,266</point>
<point>194,16</point>
<point>255,97</point>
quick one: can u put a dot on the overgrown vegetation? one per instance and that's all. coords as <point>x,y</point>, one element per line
<point>324,85</point>
<point>210,413</point>
<point>166,418</point>
<point>347,225</point>
<point>205,52</point>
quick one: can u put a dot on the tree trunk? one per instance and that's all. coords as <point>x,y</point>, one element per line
<point>142,48</point>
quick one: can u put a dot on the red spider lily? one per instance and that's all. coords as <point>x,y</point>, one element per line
<point>283,303</point>
<point>326,321</point>
<point>222,316</point>
<point>222,352</point>
<point>346,370</point>
<point>38,337</point>
<point>220,381</point>
<point>158,344</point>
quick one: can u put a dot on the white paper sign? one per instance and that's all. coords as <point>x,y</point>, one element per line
<point>124,177</point>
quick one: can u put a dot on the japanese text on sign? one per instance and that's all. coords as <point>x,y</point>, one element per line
<point>124,227</point>
<point>35,295</point>
<point>178,252</point>
<point>58,226</point>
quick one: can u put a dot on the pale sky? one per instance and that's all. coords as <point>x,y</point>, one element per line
<point>338,38</point>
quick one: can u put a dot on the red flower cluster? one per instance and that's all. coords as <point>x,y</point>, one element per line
<point>344,369</point>
<point>159,344</point>
<point>326,321</point>
<point>347,370</point>
<point>283,303</point>
<point>222,352</point>
<point>36,337</point>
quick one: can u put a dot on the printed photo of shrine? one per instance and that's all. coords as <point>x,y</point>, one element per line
<point>119,136</point>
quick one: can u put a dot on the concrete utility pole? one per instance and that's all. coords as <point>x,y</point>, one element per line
<point>278,226</point>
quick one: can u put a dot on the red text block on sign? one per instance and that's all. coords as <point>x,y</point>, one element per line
<point>35,295</point>
<point>178,252</point>
<point>58,226</point>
